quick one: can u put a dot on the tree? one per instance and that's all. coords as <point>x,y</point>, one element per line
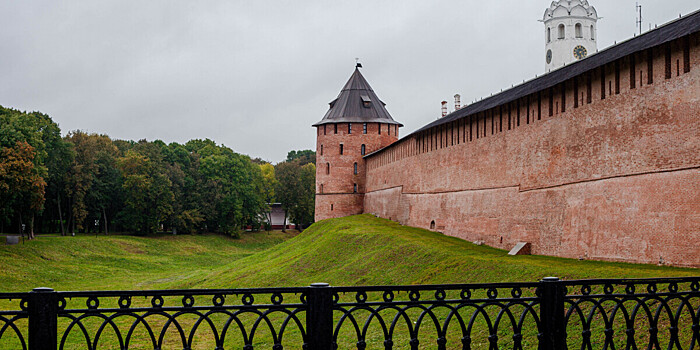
<point>24,138</point>
<point>21,184</point>
<point>268,187</point>
<point>304,157</point>
<point>80,175</point>
<point>147,194</point>
<point>303,212</point>
<point>296,190</point>
<point>103,200</point>
<point>235,187</point>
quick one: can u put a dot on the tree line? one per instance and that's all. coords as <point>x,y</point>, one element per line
<point>85,182</point>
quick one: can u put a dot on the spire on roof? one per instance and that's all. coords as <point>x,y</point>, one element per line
<point>357,103</point>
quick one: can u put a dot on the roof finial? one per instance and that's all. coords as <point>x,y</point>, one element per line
<point>357,63</point>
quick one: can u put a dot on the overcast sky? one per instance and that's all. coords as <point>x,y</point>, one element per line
<point>254,75</point>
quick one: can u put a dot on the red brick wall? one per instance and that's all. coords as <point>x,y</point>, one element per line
<point>338,182</point>
<point>614,179</point>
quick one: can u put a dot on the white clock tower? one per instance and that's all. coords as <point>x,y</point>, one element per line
<point>569,32</point>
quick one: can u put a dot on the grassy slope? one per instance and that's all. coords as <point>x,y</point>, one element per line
<point>121,262</point>
<point>364,250</point>
<point>358,250</point>
<point>349,251</point>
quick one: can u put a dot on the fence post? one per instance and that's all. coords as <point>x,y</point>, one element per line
<point>552,312</point>
<point>43,319</point>
<point>319,317</point>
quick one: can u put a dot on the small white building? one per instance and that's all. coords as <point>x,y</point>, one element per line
<point>569,32</point>
<point>277,216</point>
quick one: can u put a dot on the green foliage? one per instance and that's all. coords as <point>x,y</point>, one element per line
<point>296,190</point>
<point>147,194</point>
<point>269,183</point>
<point>92,183</point>
<point>28,141</point>
<point>21,184</point>
<point>303,157</point>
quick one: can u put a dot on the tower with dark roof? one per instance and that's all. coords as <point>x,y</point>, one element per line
<point>356,124</point>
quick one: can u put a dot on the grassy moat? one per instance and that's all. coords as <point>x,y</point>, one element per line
<point>357,250</point>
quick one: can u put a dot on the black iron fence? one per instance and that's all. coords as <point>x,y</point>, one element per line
<point>550,314</point>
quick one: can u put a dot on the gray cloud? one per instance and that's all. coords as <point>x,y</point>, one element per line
<point>254,75</point>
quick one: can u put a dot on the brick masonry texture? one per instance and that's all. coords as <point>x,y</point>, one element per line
<point>616,178</point>
<point>338,181</point>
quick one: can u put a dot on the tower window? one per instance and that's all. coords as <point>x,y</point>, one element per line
<point>379,128</point>
<point>331,207</point>
<point>364,128</point>
<point>336,128</point>
<point>354,188</point>
<point>549,35</point>
<point>321,189</point>
<point>328,168</point>
<point>349,128</point>
<point>324,128</point>
<point>321,150</point>
<point>579,30</point>
<point>362,150</point>
<point>354,167</point>
<point>341,148</point>
<point>562,31</point>
<point>592,33</point>
<point>366,101</point>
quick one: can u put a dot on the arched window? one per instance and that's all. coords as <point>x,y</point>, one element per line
<point>328,168</point>
<point>579,30</point>
<point>432,225</point>
<point>362,150</point>
<point>562,31</point>
<point>354,167</point>
<point>549,35</point>
<point>592,33</point>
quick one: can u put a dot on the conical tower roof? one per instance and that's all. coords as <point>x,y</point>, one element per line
<point>357,103</point>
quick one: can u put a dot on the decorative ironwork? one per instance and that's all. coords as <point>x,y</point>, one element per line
<point>13,323</point>
<point>467,313</point>
<point>633,314</point>
<point>550,314</point>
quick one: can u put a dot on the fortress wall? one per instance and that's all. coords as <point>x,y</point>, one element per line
<point>614,179</point>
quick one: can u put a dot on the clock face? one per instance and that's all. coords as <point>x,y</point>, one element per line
<point>549,56</point>
<point>580,52</point>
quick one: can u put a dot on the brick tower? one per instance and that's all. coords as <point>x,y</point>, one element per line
<point>356,124</point>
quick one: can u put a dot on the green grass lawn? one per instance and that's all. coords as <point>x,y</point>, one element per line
<point>364,250</point>
<point>87,262</point>
<point>357,250</point>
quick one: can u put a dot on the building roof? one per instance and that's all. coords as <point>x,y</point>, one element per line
<point>357,103</point>
<point>566,8</point>
<point>671,31</point>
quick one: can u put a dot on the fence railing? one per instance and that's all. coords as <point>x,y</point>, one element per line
<point>549,314</point>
